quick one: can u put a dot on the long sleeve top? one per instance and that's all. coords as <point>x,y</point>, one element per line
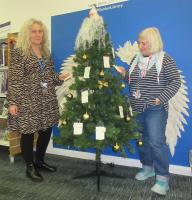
<point>164,87</point>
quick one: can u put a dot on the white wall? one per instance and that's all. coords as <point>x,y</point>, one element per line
<point>17,11</point>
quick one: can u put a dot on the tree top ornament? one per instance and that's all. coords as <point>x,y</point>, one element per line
<point>93,12</point>
<point>91,29</point>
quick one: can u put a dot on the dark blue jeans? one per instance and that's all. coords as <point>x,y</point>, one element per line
<point>154,153</point>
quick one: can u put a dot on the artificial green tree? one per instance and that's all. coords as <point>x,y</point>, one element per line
<point>107,105</point>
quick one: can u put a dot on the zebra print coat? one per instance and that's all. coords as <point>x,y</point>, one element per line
<point>36,110</point>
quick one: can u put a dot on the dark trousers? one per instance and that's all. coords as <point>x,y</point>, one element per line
<point>41,146</point>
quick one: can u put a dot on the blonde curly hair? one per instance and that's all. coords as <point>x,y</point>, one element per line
<point>24,42</point>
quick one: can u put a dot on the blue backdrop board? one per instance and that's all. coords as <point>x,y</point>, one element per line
<point>124,22</point>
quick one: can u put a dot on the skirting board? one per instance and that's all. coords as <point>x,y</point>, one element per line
<point>174,169</point>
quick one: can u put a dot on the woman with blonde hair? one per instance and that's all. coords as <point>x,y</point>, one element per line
<point>32,99</point>
<point>153,80</point>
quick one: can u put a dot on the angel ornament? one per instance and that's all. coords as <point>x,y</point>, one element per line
<point>92,28</point>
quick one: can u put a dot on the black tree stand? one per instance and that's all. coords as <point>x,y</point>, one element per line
<point>98,172</point>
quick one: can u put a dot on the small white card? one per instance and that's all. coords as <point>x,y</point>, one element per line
<point>87,72</point>
<point>77,128</point>
<point>121,111</point>
<point>84,96</point>
<point>113,52</point>
<point>100,132</point>
<point>131,111</point>
<point>106,61</point>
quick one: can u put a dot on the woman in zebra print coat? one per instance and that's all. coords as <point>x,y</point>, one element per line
<point>33,105</point>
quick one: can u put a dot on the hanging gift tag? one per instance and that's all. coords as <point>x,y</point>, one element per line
<point>100,132</point>
<point>77,128</point>
<point>106,61</point>
<point>131,111</point>
<point>87,72</point>
<point>84,96</point>
<point>113,52</point>
<point>121,111</point>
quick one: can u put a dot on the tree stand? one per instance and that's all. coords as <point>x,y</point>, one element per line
<point>98,171</point>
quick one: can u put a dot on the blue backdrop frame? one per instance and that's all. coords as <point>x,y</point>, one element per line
<point>124,22</point>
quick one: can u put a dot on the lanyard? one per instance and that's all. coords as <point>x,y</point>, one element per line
<point>41,64</point>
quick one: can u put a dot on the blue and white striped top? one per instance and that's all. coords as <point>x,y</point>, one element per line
<point>149,86</point>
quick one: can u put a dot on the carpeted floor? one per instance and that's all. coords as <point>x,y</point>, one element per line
<point>61,185</point>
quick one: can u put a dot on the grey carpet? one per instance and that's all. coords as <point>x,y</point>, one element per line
<point>61,185</point>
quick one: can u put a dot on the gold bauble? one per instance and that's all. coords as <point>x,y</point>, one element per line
<point>139,143</point>
<point>101,74</point>
<point>123,85</point>
<point>84,57</point>
<point>116,147</point>
<point>86,116</point>
<point>64,122</point>
<point>70,96</point>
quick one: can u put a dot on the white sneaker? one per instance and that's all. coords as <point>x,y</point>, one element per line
<point>160,187</point>
<point>144,174</point>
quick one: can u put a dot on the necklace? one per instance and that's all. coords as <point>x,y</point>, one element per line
<point>143,65</point>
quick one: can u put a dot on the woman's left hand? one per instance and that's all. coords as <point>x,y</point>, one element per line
<point>64,77</point>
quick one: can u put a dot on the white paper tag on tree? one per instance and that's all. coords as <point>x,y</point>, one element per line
<point>84,96</point>
<point>131,111</point>
<point>87,72</point>
<point>77,128</point>
<point>121,111</point>
<point>100,132</point>
<point>106,62</point>
<point>113,52</point>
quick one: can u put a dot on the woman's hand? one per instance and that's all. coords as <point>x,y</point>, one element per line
<point>13,110</point>
<point>64,76</point>
<point>157,101</point>
<point>121,70</point>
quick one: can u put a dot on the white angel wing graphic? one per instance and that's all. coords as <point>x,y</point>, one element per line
<point>63,90</point>
<point>127,52</point>
<point>178,109</point>
<point>178,105</point>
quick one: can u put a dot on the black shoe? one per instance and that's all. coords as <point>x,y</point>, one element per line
<point>33,174</point>
<point>41,165</point>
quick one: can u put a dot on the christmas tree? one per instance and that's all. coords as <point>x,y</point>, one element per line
<point>96,113</point>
